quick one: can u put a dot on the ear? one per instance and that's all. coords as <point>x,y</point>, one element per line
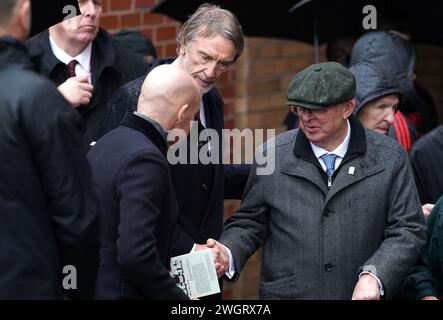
<point>24,17</point>
<point>182,113</point>
<point>349,108</point>
<point>181,51</point>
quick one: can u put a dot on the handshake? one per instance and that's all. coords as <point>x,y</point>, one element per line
<point>220,255</point>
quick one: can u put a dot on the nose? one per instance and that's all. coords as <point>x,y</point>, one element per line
<point>390,117</point>
<point>88,9</point>
<point>211,70</point>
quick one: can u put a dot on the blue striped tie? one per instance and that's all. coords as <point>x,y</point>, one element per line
<point>329,160</point>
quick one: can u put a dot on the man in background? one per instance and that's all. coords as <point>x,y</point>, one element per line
<point>83,61</point>
<point>47,205</point>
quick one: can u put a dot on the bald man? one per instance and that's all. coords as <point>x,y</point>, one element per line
<point>138,204</point>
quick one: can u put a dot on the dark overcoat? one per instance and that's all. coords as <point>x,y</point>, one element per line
<point>48,210</point>
<point>139,210</point>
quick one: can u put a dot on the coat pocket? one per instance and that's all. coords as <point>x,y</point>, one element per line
<point>284,288</point>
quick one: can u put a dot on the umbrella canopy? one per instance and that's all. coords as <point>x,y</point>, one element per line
<point>325,20</point>
<point>265,18</point>
<point>50,12</point>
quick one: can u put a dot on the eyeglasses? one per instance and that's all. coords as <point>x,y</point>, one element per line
<point>294,110</point>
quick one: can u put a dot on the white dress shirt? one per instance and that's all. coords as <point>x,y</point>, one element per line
<point>340,151</point>
<point>83,66</point>
<point>203,122</point>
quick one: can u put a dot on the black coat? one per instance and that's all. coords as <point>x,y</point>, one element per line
<point>110,67</point>
<point>427,162</point>
<point>200,188</point>
<point>47,209</point>
<point>138,213</point>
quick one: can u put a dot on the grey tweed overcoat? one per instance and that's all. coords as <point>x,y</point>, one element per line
<point>317,240</point>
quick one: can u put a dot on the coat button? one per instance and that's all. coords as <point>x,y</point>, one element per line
<point>328,267</point>
<point>327,212</point>
<point>204,187</point>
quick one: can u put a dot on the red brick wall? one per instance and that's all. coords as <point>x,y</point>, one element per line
<point>134,14</point>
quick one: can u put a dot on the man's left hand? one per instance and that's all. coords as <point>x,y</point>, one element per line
<point>367,288</point>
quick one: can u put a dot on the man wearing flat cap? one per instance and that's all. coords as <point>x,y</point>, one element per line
<point>340,216</point>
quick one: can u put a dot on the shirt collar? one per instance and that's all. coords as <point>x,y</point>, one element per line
<point>340,151</point>
<point>202,113</point>
<point>156,125</point>
<point>83,59</point>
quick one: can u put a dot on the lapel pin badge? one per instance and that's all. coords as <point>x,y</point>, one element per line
<point>351,170</point>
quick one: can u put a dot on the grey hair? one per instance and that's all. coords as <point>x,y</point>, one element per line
<point>210,20</point>
<point>6,9</point>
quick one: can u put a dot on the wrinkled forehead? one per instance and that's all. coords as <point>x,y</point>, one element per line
<point>215,44</point>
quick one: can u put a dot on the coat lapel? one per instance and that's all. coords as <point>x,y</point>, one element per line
<point>357,163</point>
<point>45,59</point>
<point>300,161</point>
<point>213,117</point>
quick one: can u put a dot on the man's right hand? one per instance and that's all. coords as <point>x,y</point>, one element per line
<point>77,90</point>
<point>427,208</point>
<point>220,256</point>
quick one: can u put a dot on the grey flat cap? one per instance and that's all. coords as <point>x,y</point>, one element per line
<point>321,85</point>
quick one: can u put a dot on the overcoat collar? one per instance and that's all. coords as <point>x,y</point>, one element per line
<point>136,123</point>
<point>300,161</point>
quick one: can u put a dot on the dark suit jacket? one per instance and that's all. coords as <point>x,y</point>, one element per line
<point>138,210</point>
<point>200,188</point>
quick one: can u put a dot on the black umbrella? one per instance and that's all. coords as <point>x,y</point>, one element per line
<point>50,12</point>
<point>319,21</point>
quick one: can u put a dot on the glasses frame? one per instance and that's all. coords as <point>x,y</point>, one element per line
<point>295,109</point>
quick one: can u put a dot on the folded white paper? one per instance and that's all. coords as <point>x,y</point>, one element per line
<point>195,273</point>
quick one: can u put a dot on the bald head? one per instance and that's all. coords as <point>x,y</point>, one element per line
<point>170,96</point>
